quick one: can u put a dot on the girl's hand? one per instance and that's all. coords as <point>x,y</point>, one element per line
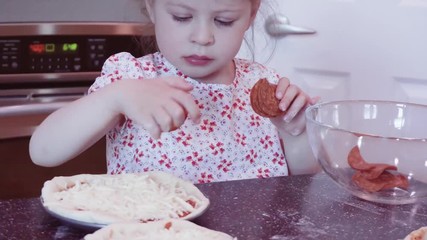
<point>293,102</point>
<point>159,105</point>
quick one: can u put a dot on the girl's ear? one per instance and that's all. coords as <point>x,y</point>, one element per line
<point>255,8</point>
<point>149,7</point>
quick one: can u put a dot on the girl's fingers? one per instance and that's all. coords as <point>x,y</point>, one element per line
<point>293,102</point>
<point>282,85</point>
<point>189,105</point>
<point>314,100</point>
<point>163,106</point>
<point>177,113</point>
<point>288,97</point>
<point>171,114</point>
<point>163,119</point>
<point>183,98</point>
<point>150,124</point>
<point>179,83</point>
<point>298,105</point>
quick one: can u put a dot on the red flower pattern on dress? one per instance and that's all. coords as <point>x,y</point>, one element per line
<point>137,63</point>
<point>278,159</point>
<point>129,124</point>
<point>165,161</point>
<point>205,177</point>
<point>194,159</point>
<point>245,69</point>
<point>119,169</point>
<point>138,155</point>
<point>116,152</point>
<point>252,156</point>
<point>128,141</point>
<point>225,165</point>
<point>240,138</point>
<point>239,104</point>
<point>208,125</point>
<point>155,143</point>
<point>112,136</point>
<point>266,142</point>
<point>226,112</point>
<point>201,105</point>
<point>263,173</point>
<point>216,95</point>
<point>183,138</point>
<point>230,134</point>
<point>217,148</point>
<point>255,120</point>
<point>114,58</point>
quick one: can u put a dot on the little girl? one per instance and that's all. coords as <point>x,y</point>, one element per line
<point>185,109</point>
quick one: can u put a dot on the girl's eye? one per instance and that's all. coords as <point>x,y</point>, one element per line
<point>224,23</point>
<point>181,19</point>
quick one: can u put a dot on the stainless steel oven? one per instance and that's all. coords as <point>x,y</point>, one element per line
<point>47,63</point>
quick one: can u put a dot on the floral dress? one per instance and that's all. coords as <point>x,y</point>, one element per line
<point>230,142</point>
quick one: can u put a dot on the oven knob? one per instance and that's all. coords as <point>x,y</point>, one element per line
<point>77,68</point>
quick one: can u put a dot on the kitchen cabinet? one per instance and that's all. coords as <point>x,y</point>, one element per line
<point>20,177</point>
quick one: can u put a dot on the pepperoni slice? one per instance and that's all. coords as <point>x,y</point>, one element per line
<point>373,185</point>
<point>263,99</point>
<point>374,177</point>
<point>385,181</point>
<point>399,181</point>
<point>376,169</point>
<point>356,161</point>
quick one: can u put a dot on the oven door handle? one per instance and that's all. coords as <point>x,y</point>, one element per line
<point>29,109</point>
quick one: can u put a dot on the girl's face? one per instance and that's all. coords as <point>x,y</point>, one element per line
<point>201,37</point>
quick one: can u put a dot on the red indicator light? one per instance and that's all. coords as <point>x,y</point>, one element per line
<point>37,48</point>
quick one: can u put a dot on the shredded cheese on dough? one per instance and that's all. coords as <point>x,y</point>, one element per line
<point>189,234</point>
<point>128,197</point>
<point>167,229</point>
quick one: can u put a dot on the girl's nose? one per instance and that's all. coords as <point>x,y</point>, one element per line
<point>202,34</point>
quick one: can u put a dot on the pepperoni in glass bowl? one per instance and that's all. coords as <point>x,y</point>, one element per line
<point>376,150</point>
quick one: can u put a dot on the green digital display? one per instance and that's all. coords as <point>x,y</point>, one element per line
<point>53,48</point>
<point>70,47</point>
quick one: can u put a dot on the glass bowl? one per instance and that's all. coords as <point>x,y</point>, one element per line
<point>376,150</point>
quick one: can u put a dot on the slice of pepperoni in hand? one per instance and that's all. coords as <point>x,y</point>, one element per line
<point>263,99</point>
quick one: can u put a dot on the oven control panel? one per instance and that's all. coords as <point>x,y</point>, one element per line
<point>58,54</point>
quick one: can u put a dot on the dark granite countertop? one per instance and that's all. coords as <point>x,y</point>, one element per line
<point>294,207</point>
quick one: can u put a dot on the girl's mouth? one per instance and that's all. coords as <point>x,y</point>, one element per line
<point>198,60</point>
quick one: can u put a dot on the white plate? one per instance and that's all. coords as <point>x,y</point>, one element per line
<point>72,222</point>
<point>61,206</point>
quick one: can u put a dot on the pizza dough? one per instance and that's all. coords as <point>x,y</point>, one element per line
<point>419,234</point>
<point>263,99</point>
<point>106,199</point>
<point>165,229</point>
